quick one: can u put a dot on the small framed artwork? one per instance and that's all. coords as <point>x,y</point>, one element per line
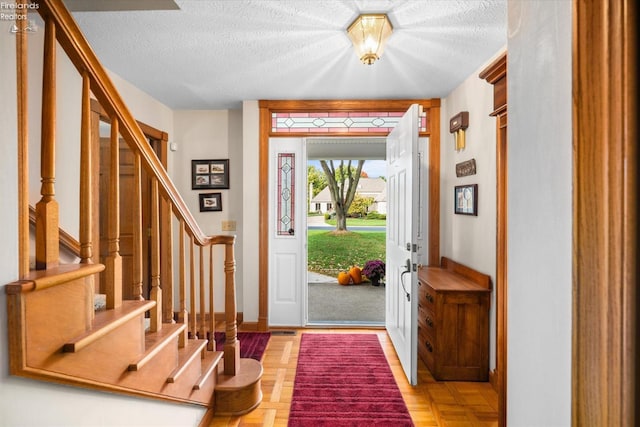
<point>210,174</point>
<point>210,202</point>
<point>465,199</point>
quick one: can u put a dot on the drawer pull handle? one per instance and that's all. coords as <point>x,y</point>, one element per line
<point>429,298</point>
<point>429,321</point>
<point>429,346</point>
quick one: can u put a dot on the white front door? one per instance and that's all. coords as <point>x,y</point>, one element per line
<point>403,183</point>
<point>287,232</point>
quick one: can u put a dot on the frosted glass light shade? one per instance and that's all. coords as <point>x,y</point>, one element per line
<point>369,33</point>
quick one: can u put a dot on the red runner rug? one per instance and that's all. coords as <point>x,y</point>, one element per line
<point>345,380</point>
<point>252,344</point>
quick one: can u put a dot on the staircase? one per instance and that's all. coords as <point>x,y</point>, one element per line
<point>161,347</point>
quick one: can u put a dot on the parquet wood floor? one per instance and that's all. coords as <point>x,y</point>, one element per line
<point>431,402</point>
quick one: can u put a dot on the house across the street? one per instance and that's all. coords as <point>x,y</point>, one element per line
<point>367,187</point>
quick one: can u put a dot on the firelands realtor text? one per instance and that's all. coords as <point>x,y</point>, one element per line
<point>13,11</point>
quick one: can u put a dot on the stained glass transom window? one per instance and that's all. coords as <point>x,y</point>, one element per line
<point>339,122</point>
<point>286,194</point>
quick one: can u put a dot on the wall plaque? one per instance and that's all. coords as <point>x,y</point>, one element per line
<point>466,168</point>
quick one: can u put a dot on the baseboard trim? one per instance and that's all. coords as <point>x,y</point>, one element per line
<point>493,379</point>
<point>220,317</point>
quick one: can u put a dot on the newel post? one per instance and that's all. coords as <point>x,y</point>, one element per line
<point>232,345</point>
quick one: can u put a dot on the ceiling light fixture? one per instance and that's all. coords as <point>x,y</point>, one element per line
<point>369,33</point>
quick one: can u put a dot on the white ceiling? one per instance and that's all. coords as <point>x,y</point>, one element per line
<point>213,54</point>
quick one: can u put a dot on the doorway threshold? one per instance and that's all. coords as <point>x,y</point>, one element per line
<point>345,324</point>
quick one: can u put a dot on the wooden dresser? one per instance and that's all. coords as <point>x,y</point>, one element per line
<point>453,321</point>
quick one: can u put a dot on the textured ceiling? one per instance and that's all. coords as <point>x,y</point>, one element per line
<point>213,54</point>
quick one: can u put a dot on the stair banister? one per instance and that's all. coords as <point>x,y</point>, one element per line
<point>82,56</point>
<point>77,326</point>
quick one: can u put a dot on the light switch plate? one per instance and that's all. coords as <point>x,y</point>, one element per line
<point>228,226</point>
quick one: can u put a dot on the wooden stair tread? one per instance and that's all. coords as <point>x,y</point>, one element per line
<point>209,366</point>
<point>154,342</point>
<point>106,321</point>
<point>191,350</point>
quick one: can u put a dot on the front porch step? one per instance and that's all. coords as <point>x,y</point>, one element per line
<point>239,394</point>
<point>107,321</point>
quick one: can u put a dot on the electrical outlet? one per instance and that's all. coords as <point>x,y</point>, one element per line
<point>228,226</point>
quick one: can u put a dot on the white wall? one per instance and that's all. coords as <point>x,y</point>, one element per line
<point>539,213</point>
<point>471,240</point>
<point>212,135</point>
<point>25,402</point>
<point>250,215</point>
<point>69,91</point>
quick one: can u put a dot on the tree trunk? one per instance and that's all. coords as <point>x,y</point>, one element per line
<point>336,184</point>
<point>341,220</point>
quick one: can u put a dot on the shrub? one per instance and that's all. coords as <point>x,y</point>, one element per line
<point>376,215</point>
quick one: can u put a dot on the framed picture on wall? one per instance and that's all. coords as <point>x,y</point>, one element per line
<point>465,199</point>
<point>210,174</point>
<point>210,202</point>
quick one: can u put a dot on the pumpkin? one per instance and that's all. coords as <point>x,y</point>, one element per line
<point>356,275</point>
<point>344,278</point>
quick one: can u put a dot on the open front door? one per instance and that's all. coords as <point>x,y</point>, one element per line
<point>403,183</point>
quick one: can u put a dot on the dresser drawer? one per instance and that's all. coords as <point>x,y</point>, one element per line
<point>427,320</point>
<point>426,296</point>
<point>426,348</point>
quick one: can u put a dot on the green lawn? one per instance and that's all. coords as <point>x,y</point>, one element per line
<point>329,254</point>
<point>360,221</point>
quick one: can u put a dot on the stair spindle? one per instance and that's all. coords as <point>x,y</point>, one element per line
<point>86,173</point>
<point>47,210</point>
<point>156,291</point>
<point>183,314</point>
<point>211,345</point>
<point>202,333</point>
<point>166,260</point>
<point>193,332</point>
<point>137,230</point>
<point>113,260</point>
<point>23,142</point>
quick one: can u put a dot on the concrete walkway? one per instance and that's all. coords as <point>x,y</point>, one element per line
<point>320,278</point>
<point>316,220</point>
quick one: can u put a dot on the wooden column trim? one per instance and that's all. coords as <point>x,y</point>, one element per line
<point>496,74</point>
<point>434,187</point>
<point>605,199</point>
<point>263,220</point>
